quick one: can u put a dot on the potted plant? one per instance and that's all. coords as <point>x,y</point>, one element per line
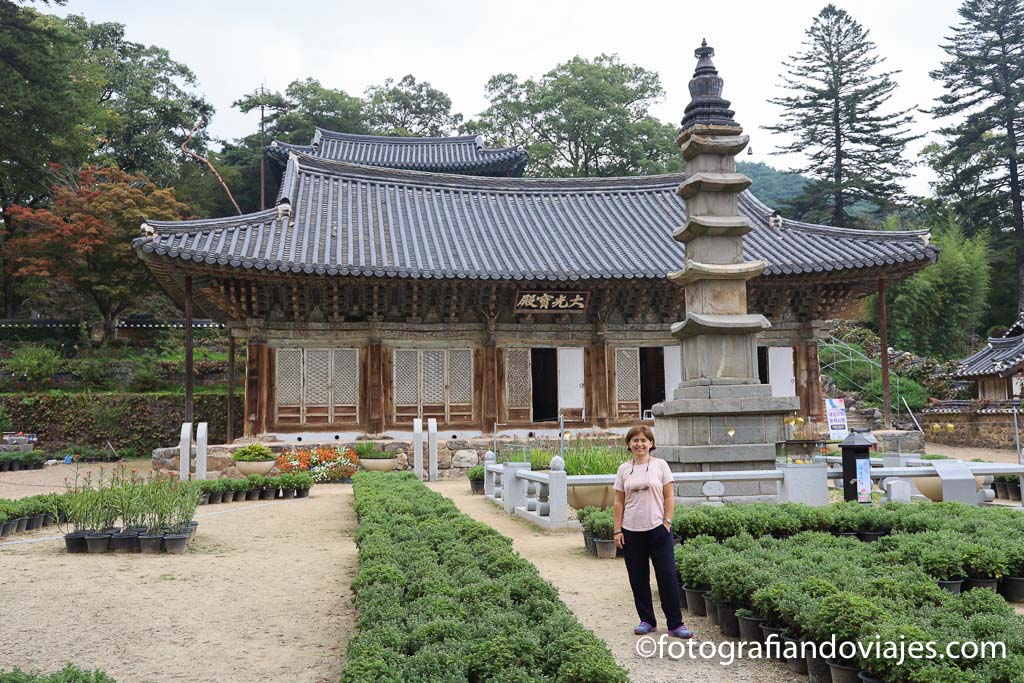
<point>287,485</point>
<point>1011,586</point>
<point>843,615</point>
<point>945,564</point>
<point>254,484</point>
<point>1012,487</point>
<point>983,565</point>
<point>588,538</point>
<point>476,479</point>
<point>750,625</point>
<point>215,490</point>
<point>254,459</point>
<point>592,458</point>
<point>602,527</point>
<point>999,484</point>
<point>374,459</point>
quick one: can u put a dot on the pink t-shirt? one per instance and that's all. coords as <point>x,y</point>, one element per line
<point>644,486</point>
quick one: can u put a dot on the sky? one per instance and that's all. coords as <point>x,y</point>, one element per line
<point>234,46</point>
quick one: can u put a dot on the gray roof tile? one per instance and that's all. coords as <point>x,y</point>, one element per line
<point>356,220</point>
<point>1001,357</point>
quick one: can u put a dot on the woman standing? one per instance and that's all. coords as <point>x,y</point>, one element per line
<point>644,502</point>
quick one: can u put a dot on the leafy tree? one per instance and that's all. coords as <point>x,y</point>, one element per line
<point>147,100</point>
<point>582,118</point>
<point>772,186</point>
<point>983,84</point>
<point>306,105</point>
<point>854,151</point>
<point>937,311</point>
<point>408,108</point>
<point>84,239</point>
<point>47,109</point>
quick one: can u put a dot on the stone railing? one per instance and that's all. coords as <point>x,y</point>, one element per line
<point>543,497</point>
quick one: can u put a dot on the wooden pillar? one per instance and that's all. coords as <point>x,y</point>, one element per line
<point>375,388</point>
<point>230,431</point>
<point>808,376</point>
<point>489,395</point>
<point>883,333</point>
<point>188,350</point>
<point>597,382</point>
<point>254,352</point>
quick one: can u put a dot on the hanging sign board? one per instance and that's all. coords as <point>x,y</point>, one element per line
<point>835,413</point>
<point>863,480</point>
<point>550,301</point>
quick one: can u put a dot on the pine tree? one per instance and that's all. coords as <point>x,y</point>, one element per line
<point>855,151</point>
<point>984,83</point>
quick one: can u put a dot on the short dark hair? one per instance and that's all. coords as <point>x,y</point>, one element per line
<point>640,429</point>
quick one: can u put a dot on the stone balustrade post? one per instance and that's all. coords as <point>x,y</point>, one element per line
<point>489,477</point>
<point>432,447</point>
<point>202,438</point>
<point>184,451</point>
<point>514,488</point>
<point>558,492</point>
<point>417,447</point>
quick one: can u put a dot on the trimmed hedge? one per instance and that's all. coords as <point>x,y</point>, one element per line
<point>134,423</point>
<point>444,597</point>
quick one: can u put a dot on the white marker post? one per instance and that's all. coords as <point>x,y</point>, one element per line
<point>202,437</point>
<point>417,447</point>
<point>184,451</point>
<point>432,447</point>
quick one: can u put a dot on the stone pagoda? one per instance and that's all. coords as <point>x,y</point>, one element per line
<point>720,417</point>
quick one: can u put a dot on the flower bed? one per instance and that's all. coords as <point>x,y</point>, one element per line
<point>815,586</point>
<point>442,596</point>
<point>324,463</point>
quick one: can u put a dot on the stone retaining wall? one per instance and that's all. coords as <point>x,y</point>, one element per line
<point>977,429</point>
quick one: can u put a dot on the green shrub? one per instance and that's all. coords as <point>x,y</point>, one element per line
<point>367,450</point>
<point>34,363</point>
<point>69,674</point>
<point>92,373</point>
<point>254,452</point>
<point>475,473</point>
<point>915,394</point>
<point>145,376</point>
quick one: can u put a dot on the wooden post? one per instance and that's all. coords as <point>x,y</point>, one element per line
<point>230,435</point>
<point>489,409</point>
<point>188,348</point>
<point>883,333</point>
<point>808,375</point>
<point>375,386</point>
<point>253,352</point>
<point>597,383</point>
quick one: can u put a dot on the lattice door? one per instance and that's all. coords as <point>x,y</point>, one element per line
<point>460,384</point>
<point>627,382</point>
<point>289,386</point>
<point>518,385</point>
<point>316,408</point>
<point>406,382</point>
<point>434,383</point>
<point>346,385</point>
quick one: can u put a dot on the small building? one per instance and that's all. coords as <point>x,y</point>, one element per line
<point>998,369</point>
<point>400,278</point>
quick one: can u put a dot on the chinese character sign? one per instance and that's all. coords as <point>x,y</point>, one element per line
<point>863,480</point>
<point>550,301</point>
<point>835,412</point>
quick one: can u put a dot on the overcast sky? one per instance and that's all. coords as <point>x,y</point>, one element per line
<point>456,45</point>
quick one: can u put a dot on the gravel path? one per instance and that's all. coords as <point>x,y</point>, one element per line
<point>263,595</point>
<point>597,591</point>
<point>964,453</point>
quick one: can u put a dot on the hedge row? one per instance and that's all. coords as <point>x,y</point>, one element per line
<point>786,519</point>
<point>443,597</point>
<point>69,674</point>
<point>816,586</point>
<point>134,423</point>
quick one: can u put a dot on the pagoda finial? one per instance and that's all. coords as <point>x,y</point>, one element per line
<point>706,105</point>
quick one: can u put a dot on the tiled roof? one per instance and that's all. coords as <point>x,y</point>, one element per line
<point>1000,357</point>
<point>465,155</point>
<point>357,220</point>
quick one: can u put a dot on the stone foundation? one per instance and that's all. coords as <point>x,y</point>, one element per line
<point>972,429</point>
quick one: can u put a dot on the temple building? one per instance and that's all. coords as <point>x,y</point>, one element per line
<point>998,369</point>
<point>422,277</point>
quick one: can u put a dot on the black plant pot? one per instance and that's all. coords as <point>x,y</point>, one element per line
<point>989,584</point>
<point>38,465</point>
<point>728,624</point>
<point>15,466</point>
<point>818,670</point>
<point>710,609</point>
<point>192,528</point>
<point>97,543</point>
<point>1000,487</point>
<point>476,486</point>
<point>227,497</point>
<point>175,544</point>
<point>695,602</point>
<point>123,543</point>
<point>842,672</point>
<point>75,542</point>
<point>287,493</point>
<point>22,524</point>
<point>1012,588</point>
<point>750,629</point>
<point>1013,490</point>
<point>34,522</point>
<point>773,634</point>
<point>215,497</point>
<point>205,499</point>
<point>6,529</point>
<point>149,544</point>
<point>304,493</point>
<point>868,536</point>
<point>49,519</point>
<point>951,586</point>
<point>5,466</point>
<point>866,677</point>
<point>268,494</point>
<point>252,494</point>
<point>797,663</point>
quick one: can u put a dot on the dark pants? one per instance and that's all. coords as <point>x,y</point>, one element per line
<point>641,549</point>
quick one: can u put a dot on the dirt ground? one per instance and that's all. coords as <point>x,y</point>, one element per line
<point>1000,455</point>
<point>597,591</point>
<point>262,596</point>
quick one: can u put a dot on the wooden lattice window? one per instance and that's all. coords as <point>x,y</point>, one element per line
<point>518,385</point>
<point>627,382</point>
<point>434,383</point>
<point>317,386</point>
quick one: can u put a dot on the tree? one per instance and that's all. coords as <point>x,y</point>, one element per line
<point>938,310</point>
<point>47,111</point>
<point>984,88</point>
<point>408,108</point>
<point>84,239</point>
<point>305,106</point>
<point>583,118</point>
<point>854,151</point>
